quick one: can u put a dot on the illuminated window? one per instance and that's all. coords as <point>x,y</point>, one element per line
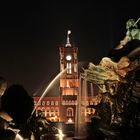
<point>52,102</point>
<point>72,103</point>
<point>93,111</point>
<point>70,112</point>
<point>63,102</point>
<point>75,92</point>
<point>48,102</point>
<point>88,110</point>
<point>91,103</point>
<point>69,68</point>
<point>67,83</point>
<point>56,102</point>
<point>43,103</point>
<point>47,111</point>
<point>76,103</point>
<point>67,102</point>
<point>52,111</point>
<point>75,67</point>
<point>57,111</point>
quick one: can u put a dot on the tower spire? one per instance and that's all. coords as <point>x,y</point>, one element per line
<point>68,39</point>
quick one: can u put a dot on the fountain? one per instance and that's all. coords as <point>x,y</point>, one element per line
<point>60,134</point>
<point>80,123</point>
<point>47,88</point>
<point>56,133</point>
<point>100,76</point>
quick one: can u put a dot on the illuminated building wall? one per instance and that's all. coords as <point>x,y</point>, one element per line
<point>68,81</point>
<point>63,107</point>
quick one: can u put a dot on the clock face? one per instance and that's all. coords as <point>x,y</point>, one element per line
<point>68,57</point>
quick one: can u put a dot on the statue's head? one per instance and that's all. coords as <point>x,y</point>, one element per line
<point>130,24</point>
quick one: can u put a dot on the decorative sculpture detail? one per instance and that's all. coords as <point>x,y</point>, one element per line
<point>119,85</point>
<point>132,33</point>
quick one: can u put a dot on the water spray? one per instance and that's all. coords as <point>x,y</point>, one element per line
<point>137,21</point>
<point>47,88</point>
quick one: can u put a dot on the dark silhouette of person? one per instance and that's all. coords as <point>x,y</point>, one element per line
<point>18,104</point>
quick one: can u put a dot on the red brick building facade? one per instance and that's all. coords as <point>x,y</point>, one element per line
<point>64,107</point>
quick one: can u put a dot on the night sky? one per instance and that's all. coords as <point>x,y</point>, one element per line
<point>31,34</point>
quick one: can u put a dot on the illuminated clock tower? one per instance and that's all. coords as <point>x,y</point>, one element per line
<point>68,81</point>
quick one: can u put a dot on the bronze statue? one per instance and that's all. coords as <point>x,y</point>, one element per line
<point>119,85</point>
<point>133,32</point>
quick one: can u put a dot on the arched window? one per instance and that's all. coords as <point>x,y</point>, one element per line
<point>69,112</point>
<point>43,103</point>
<point>48,102</point>
<point>91,103</point>
<point>72,103</point>
<point>63,102</point>
<point>47,111</point>
<point>52,102</point>
<point>57,111</point>
<point>52,111</point>
<point>56,102</point>
<point>67,102</point>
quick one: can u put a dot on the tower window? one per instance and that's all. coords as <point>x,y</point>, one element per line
<point>67,84</point>
<point>69,71</point>
<point>75,67</point>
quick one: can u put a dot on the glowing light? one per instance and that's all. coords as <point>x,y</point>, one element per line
<point>68,57</point>
<point>70,121</point>
<point>60,134</point>
<point>69,32</point>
